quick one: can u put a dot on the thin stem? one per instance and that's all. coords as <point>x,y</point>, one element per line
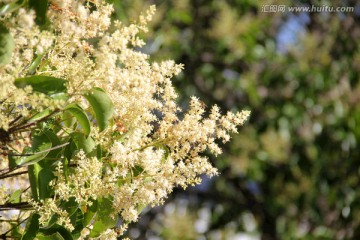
<point>19,127</point>
<point>12,175</point>
<point>8,220</point>
<point>30,154</point>
<point>44,151</point>
<point>10,170</point>
<point>4,234</point>
<point>11,206</point>
<point>15,120</point>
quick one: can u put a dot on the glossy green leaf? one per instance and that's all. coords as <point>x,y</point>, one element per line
<point>85,143</point>
<point>102,105</point>
<point>81,116</point>
<point>43,84</point>
<point>32,227</point>
<point>7,45</point>
<point>103,221</point>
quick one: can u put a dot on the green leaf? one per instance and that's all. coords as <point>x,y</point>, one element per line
<point>103,221</point>
<point>39,115</point>
<point>62,231</point>
<point>40,143</point>
<point>51,222</point>
<point>41,172</point>
<point>12,162</point>
<point>77,221</point>
<point>40,7</point>
<point>7,45</point>
<point>137,170</point>
<point>32,227</point>
<point>60,96</point>
<point>40,175</point>
<point>102,105</point>
<point>68,119</point>
<point>70,206</point>
<point>45,175</point>
<point>98,152</point>
<point>90,212</point>
<point>15,232</point>
<point>10,7</point>
<point>44,84</point>
<point>53,155</point>
<point>69,151</point>
<point>81,142</point>
<point>33,66</point>
<point>54,236</point>
<point>33,172</point>
<point>15,196</point>
<point>81,116</point>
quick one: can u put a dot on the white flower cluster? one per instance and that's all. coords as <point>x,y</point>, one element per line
<point>143,167</point>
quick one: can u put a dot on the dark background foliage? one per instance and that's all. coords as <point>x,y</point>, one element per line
<point>293,170</point>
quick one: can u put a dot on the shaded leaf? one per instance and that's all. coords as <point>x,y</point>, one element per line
<point>62,231</point>
<point>102,105</point>
<point>81,116</point>
<point>89,213</point>
<point>54,236</point>
<point>103,221</point>
<point>77,221</point>
<point>43,84</point>
<point>33,172</point>
<point>40,143</point>
<point>32,227</point>
<point>81,142</point>
<point>40,7</point>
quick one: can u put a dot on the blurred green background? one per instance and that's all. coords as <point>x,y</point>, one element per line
<point>293,170</point>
